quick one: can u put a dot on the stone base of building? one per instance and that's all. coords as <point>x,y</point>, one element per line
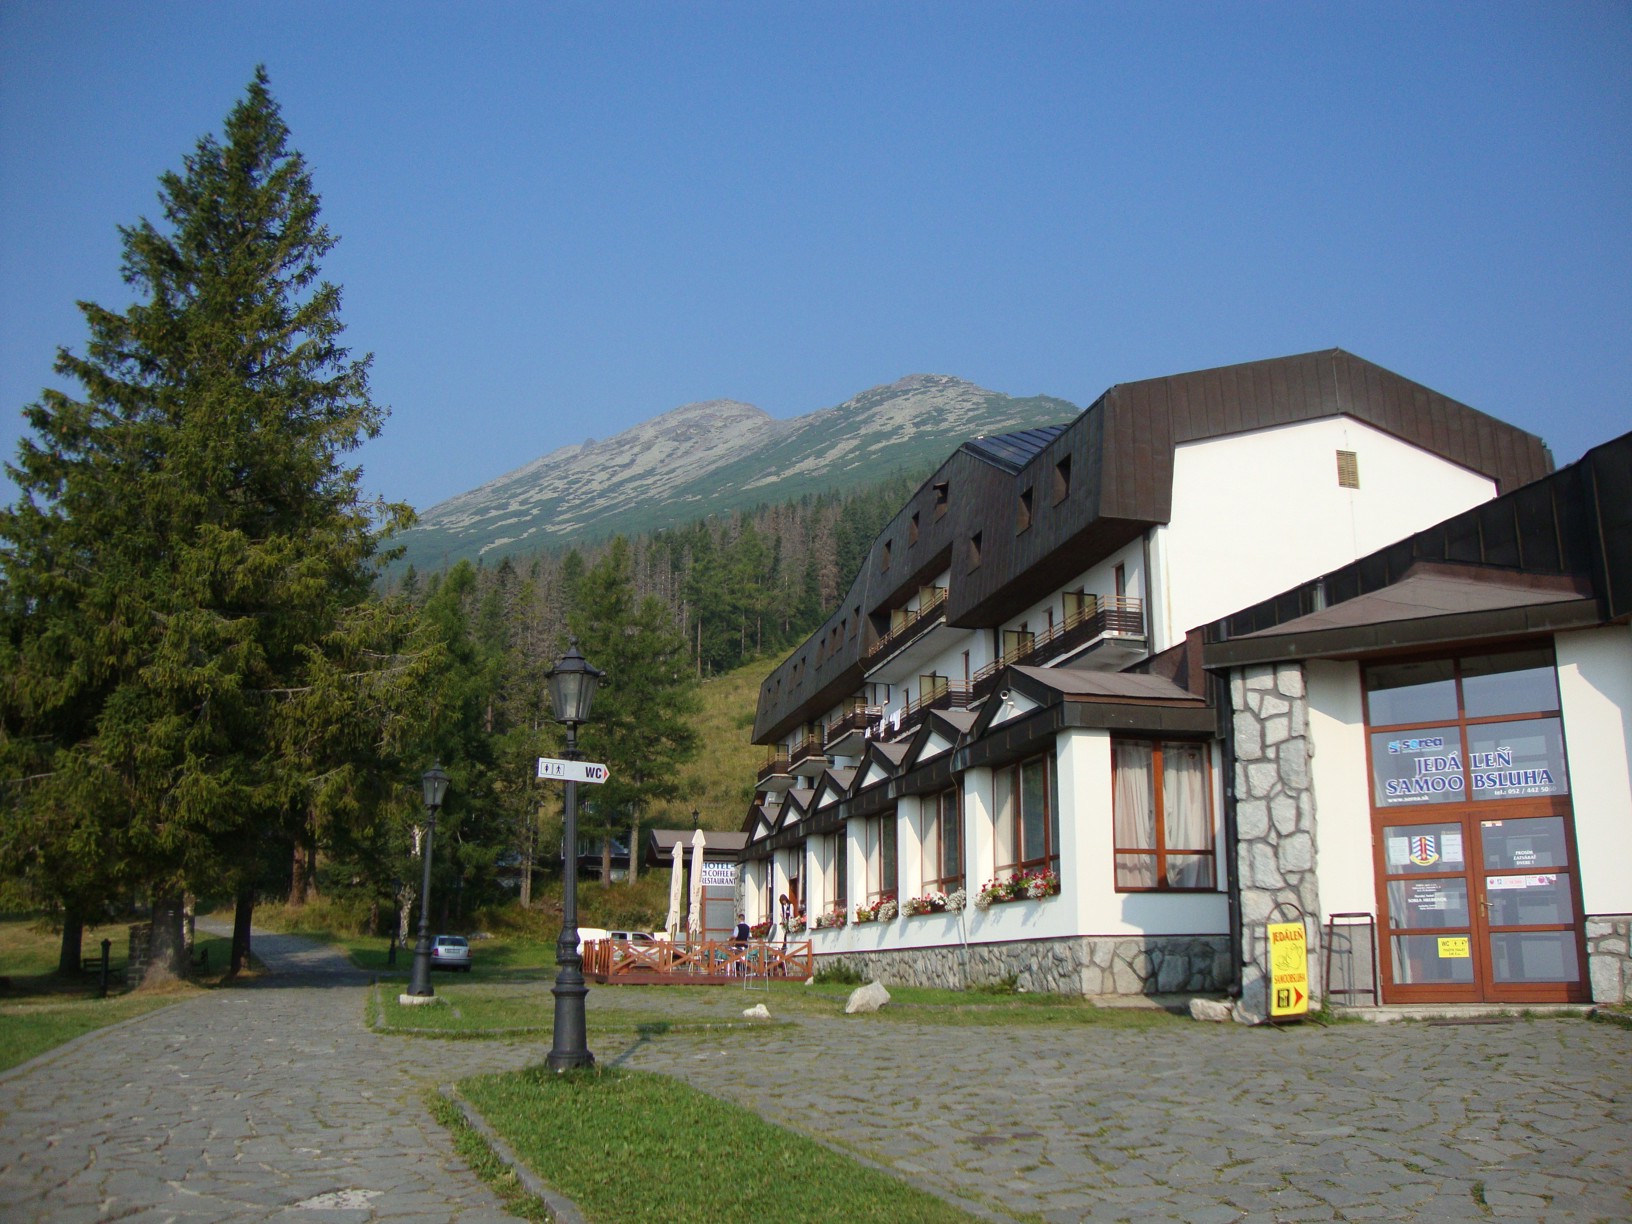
<point>1609,957</point>
<point>1087,965</point>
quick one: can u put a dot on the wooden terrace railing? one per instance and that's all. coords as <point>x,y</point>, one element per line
<point>945,696</point>
<point>1120,614</point>
<point>909,627</point>
<point>706,961</point>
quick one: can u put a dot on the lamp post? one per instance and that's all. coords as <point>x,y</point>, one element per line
<point>572,690</point>
<point>435,783</point>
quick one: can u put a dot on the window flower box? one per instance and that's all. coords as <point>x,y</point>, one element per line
<point>1022,886</point>
<point>934,902</point>
<point>760,929</point>
<point>796,925</point>
<point>882,910</point>
<point>833,918</point>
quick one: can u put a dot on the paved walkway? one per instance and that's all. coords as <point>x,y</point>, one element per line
<point>1521,1120</point>
<point>273,1102</point>
<point>269,1101</point>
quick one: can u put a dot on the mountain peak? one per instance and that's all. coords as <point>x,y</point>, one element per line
<point>715,456</point>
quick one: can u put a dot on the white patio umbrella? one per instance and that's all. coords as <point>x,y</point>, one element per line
<point>672,925</point>
<point>694,920</point>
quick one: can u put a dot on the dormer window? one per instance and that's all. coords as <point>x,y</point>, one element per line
<point>974,550</point>
<point>912,529</point>
<point>1062,479</point>
<point>884,559</point>
<point>1022,514</point>
<point>941,498</point>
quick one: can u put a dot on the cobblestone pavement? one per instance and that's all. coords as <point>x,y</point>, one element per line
<point>274,1102</point>
<point>269,1101</point>
<point>1521,1120</point>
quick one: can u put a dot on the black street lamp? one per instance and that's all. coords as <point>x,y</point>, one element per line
<point>572,690</point>
<point>435,783</point>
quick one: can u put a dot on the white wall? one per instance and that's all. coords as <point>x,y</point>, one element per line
<point>1088,864</point>
<point>1256,513</point>
<point>1595,691</point>
<point>1337,767</point>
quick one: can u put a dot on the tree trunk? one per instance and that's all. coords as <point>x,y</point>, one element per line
<point>297,875</point>
<point>405,908</point>
<point>606,861</point>
<point>167,953</point>
<point>634,849</point>
<point>528,836</point>
<point>243,910</point>
<point>73,940</point>
<point>311,870</point>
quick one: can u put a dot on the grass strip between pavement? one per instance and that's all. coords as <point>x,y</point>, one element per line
<point>629,1147</point>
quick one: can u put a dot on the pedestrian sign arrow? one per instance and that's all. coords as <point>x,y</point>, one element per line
<point>555,770</point>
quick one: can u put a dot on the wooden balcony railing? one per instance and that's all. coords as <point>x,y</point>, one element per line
<point>622,960</point>
<point>1119,614</point>
<point>776,765</point>
<point>855,721</point>
<point>808,749</point>
<point>944,696</point>
<point>914,623</point>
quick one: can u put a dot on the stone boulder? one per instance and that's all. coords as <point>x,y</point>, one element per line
<point>1218,1011</point>
<point>868,998</point>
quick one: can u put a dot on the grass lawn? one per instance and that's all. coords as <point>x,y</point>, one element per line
<point>630,1147</point>
<point>475,1009</point>
<point>39,1010</point>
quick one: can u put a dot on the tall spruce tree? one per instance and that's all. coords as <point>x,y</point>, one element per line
<point>189,553</point>
<point>640,723</point>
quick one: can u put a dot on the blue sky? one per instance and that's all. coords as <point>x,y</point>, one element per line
<point>559,220</point>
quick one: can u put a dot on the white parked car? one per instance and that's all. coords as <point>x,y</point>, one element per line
<point>450,952</point>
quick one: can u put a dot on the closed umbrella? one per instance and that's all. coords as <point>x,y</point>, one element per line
<point>672,925</point>
<point>694,920</point>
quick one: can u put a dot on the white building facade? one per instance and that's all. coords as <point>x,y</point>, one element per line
<point>1011,751</point>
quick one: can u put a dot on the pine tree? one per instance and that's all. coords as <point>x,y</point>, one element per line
<point>189,550</point>
<point>640,723</point>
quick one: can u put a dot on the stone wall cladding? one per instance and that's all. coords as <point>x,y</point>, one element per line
<point>1609,957</point>
<point>1275,819</point>
<point>1086,965</point>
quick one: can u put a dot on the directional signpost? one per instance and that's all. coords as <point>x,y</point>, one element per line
<point>556,770</point>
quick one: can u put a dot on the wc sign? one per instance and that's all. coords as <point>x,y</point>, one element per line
<point>553,770</point>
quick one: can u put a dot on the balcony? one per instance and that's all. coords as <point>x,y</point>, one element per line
<point>944,696</point>
<point>777,772</point>
<point>809,757</point>
<point>1112,630</point>
<point>912,626</point>
<point>846,734</point>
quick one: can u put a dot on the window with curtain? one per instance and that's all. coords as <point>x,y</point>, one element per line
<point>1027,826</point>
<point>1162,814</point>
<point>878,833</point>
<point>942,836</point>
<point>834,892</point>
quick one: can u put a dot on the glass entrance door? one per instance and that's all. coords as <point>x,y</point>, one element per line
<point>1481,909</point>
<point>1473,831</point>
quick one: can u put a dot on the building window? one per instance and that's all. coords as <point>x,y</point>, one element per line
<point>1062,479</point>
<point>884,562</point>
<point>878,841</point>
<point>974,551</point>
<point>941,498</point>
<point>1027,829</point>
<point>912,528</point>
<point>942,834</point>
<point>1348,470</point>
<point>834,892</point>
<point>1164,833</point>
<point>1022,514</point>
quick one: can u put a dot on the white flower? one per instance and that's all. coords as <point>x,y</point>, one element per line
<point>957,900</point>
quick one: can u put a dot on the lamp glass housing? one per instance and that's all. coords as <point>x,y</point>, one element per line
<point>435,783</point>
<point>572,686</point>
